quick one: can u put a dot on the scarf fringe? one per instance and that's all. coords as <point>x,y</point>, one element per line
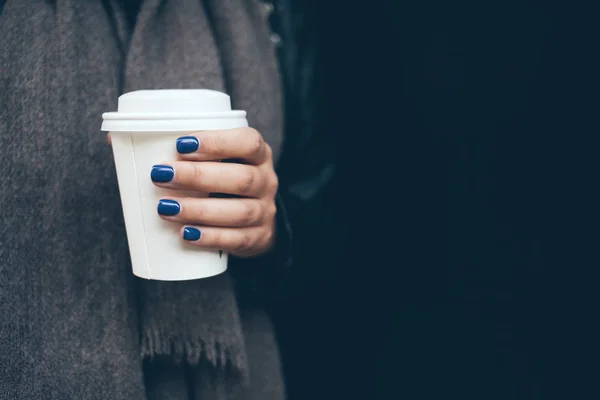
<point>193,351</point>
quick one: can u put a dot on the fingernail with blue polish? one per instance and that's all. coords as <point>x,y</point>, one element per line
<point>168,207</point>
<point>162,173</point>
<point>187,144</point>
<point>191,234</point>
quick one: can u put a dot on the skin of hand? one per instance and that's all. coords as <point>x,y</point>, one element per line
<point>242,225</point>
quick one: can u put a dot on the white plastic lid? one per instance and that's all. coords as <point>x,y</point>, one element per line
<point>168,109</point>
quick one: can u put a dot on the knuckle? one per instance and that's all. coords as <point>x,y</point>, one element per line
<point>246,243</point>
<point>199,211</point>
<point>274,183</point>
<point>269,150</point>
<point>268,237</point>
<point>196,171</point>
<point>216,239</point>
<point>248,214</point>
<point>271,211</point>
<point>213,144</point>
<point>220,144</point>
<point>256,141</point>
<point>245,183</point>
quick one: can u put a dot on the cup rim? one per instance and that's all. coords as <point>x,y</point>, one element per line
<point>115,115</point>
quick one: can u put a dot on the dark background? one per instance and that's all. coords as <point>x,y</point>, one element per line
<point>464,237</point>
<point>462,252</point>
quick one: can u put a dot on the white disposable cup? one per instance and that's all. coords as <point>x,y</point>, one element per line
<point>144,131</point>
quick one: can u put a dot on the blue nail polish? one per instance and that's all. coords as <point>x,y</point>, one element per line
<point>191,234</point>
<point>162,173</point>
<point>187,144</point>
<point>168,207</point>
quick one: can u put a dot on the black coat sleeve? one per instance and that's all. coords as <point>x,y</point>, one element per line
<point>306,166</point>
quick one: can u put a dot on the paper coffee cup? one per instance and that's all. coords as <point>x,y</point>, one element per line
<point>144,131</point>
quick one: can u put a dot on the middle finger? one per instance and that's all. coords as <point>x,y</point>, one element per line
<point>211,177</point>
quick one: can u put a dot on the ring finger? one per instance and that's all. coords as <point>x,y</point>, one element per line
<point>214,212</point>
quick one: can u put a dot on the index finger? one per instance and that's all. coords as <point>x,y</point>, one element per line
<point>240,143</point>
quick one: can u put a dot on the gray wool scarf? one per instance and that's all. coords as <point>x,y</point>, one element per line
<point>75,322</point>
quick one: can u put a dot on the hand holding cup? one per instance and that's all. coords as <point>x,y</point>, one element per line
<point>243,225</point>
